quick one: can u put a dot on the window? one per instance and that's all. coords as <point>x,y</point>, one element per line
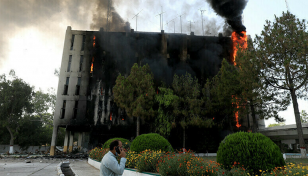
<point>75,109</point>
<point>72,41</point>
<point>66,86</point>
<point>63,109</point>
<point>69,63</point>
<point>80,63</point>
<point>83,42</point>
<point>78,86</point>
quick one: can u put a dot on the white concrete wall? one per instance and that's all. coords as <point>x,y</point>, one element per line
<point>32,149</point>
<point>127,171</point>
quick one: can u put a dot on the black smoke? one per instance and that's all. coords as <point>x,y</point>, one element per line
<point>232,10</point>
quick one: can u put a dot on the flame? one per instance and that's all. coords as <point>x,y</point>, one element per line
<point>123,119</point>
<point>237,39</point>
<point>91,68</point>
<point>146,94</point>
<point>92,65</point>
<point>241,41</point>
<point>94,41</point>
<point>110,116</point>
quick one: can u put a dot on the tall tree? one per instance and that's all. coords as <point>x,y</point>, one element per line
<point>165,119</point>
<point>15,101</point>
<point>136,93</point>
<point>282,50</point>
<point>257,97</point>
<point>187,108</point>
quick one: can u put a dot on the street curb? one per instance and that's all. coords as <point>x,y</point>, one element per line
<point>60,173</point>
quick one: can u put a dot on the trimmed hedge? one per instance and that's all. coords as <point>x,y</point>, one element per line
<point>253,150</point>
<point>151,141</point>
<point>124,141</point>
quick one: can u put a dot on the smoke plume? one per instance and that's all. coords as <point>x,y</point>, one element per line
<point>100,15</point>
<point>232,10</point>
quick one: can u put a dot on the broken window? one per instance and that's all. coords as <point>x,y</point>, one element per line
<point>78,86</point>
<point>72,41</point>
<point>80,63</point>
<point>63,109</point>
<point>69,63</point>
<point>83,42</point>
<point>75,109</point>
<point>66,86</point>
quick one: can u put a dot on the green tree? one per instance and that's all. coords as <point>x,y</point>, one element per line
<point>276,124</point>
<point>304,116</point>
<point>282,50</point>
<point>15,100</point>
<point>258,98</point>
<point>222,94</point>
<point>136,93</point>
<point>187,108</point>
<point>165,119</point>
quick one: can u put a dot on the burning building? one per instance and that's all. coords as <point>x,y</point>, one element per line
<point>92,60</point>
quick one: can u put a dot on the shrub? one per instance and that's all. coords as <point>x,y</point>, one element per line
<point>125,143</point>
<point>152,141</point>
<point>131,159</point>
<point>186,165</point>
<point>98,153</point>
<point>147,161</point>
<point>253,151</point>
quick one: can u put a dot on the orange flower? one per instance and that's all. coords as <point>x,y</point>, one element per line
<point>223,173</point>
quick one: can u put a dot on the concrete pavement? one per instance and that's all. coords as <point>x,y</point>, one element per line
<point>43,167</point>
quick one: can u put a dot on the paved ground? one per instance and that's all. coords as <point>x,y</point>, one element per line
<point>82,168</point>
<point>43,167</point>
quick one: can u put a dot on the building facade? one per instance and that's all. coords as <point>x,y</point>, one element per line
<point>91,62</point>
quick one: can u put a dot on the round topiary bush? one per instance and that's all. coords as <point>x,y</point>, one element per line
<point>252,150</point>
<point>152,141</point>
<point>125,143</point>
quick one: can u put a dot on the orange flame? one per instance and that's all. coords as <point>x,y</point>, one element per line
<point>110,116</point>
<point>94,41</point>
<point>146,94</point>
<point>240,41</point>
<point>91,68</point>
<point>123,119</point>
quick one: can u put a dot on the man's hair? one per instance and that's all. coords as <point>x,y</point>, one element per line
<point>114,144</point>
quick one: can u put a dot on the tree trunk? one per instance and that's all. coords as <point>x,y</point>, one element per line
<point>184,137</point>
<point>298,124</point>
<point>138,126</point>
<point>254,118</point>
<point>11,140</point>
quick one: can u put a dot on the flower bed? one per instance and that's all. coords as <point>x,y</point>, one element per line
<point>188,164</point>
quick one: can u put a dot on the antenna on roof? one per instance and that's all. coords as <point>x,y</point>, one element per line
<point>202,11</point>
<point>161,19</point>
<point>137,18</point>
<point>173,20</point>
<point>181,20</point>
<point>190,24</point>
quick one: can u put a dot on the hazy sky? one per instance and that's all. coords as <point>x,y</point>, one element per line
<point>32,31</point>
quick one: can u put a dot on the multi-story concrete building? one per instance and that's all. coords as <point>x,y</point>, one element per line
<point>92,60</point>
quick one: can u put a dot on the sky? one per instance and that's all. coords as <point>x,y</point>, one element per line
<point>32,31</point>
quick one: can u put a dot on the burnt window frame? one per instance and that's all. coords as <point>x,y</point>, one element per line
<point>81,62</point>
<point>75,110</point>
<point>65,90</point>
<point>77,90</point>
<point>83,42</point>
<point>72,42</point>
<point>69,63</point>
<point>62,114</point>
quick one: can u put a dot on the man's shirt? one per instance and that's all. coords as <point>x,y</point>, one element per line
<point>110,166</point>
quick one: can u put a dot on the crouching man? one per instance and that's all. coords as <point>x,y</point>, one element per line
<point>109,164</point>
